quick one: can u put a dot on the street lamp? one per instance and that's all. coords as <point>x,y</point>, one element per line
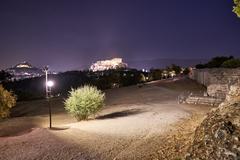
<point>49,84</point>
<point>45,69</point>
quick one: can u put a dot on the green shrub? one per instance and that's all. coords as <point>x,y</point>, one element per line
<point>7,101</point>
<point>142,78</point>
<point>232,63</point>
<point>236,7</point>
<point>85,101</point>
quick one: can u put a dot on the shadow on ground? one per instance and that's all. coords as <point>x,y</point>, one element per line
<point>59,128</point>
<point>119,114</point>
<point>9,130</point>
<point>37,107</point>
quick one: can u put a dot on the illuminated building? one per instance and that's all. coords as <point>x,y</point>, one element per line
<point>24,70</point>
<point>108,64</point>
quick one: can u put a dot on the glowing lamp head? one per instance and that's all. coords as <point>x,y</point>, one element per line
<point>50,83</point>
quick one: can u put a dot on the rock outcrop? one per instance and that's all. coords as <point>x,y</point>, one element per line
<point>218,136</point>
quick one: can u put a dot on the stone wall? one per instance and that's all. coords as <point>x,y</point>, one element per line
<point>217,80</point>
<point>218,90</point>
<point>218,136</point>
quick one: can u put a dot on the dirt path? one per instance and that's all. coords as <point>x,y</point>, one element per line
<point>135,124</point>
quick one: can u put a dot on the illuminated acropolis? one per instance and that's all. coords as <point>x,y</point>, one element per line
<point>108,64</point>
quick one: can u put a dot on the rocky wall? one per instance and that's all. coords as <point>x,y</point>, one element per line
<point>217,80</point>
<point>218,136</point>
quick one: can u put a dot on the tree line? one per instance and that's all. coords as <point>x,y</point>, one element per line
<point>34,88</point>
<point>218,62</point>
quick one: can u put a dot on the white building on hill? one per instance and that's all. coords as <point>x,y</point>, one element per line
<point>24,70</point>
<point>108,64</point>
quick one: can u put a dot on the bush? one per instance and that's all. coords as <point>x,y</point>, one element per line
<point>4,76</point>
<point>7,101</point>
<point>215,62</point>
<point>155,74</point>
<point>84,101</point>
<point>186,71</point>
<point>200,66</point>
<point>232,63</point>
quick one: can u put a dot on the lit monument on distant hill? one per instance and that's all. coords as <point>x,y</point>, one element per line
<point>114,63</point>
<point>24,70</point>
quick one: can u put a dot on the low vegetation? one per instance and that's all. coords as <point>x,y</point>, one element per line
<point>85,101</point>
<point>236,7</point>
<point>7,101</point>
<point>231,63</point>
<point>4,76</point>
<point>221,62</point>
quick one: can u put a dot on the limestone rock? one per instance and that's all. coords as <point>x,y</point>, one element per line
<point>218,136</point>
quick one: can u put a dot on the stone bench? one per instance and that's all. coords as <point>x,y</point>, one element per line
<point>203,100</point>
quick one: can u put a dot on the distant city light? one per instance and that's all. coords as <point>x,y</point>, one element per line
<point>24,70</point>
<point>144,70</point>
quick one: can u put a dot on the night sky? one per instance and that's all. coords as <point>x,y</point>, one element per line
<point>72,34</point>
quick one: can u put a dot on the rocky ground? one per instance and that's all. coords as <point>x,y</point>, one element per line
<point>218,136</point>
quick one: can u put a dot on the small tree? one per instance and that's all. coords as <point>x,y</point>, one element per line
<point>142,78</point>
<point>155,74</point>
<point>7,101</point>
<point>175,68</point>
<point>186,71</point>
<point>84,101</point>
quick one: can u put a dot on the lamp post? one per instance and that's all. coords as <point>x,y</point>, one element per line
<point>48,84</point>
<point>45,69</point>
<point>49,87</point>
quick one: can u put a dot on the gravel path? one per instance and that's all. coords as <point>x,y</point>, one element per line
<point>133,119</point>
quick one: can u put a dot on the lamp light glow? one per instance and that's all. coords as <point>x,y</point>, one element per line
<point>50,83</point>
